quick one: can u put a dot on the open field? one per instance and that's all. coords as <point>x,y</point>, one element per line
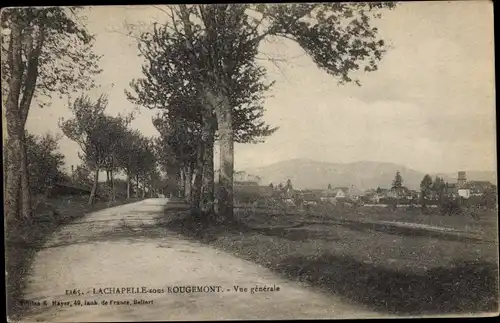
<point>358,256</point>
<point>483,223</point>
<point>25,239</point>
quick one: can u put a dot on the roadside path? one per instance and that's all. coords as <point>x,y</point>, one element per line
<point>122,247</point>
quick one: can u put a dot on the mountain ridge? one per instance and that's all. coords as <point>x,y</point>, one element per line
<point>312,174</point>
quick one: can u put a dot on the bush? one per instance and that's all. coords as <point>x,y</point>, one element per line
<point>451,207</point>
<point>241,197</point>
<point>401,201</point>
<point>488,201</point>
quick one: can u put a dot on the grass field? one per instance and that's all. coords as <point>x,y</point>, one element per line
<point>353,254</point>
<point>24,239</point>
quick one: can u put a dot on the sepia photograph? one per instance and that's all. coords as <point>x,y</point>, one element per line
<point>259,161</point>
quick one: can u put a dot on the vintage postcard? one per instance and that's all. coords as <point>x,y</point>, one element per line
<point>250,161</point>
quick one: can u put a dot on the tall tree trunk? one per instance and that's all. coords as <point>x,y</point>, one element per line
<point>29,82</point>
<point>13,180</point>
<point>220,102</point>
<point>13,118</point>
<point>207,201</point>
<point>196,193</point>
<point>5,152</point>
<point>26,211</point>
<point>152,190</point>
<point>108,185</point>
<point>182,184</point>
<point>226,172</point>
<point>187,184</point>
<point>113,193</point>
<point>113,190</point>
<point>128,186</point>
<point>136,186</point>
<point>94,186</point>
<point>197,180</point>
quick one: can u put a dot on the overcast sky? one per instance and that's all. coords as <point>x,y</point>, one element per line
<point>430,106</point>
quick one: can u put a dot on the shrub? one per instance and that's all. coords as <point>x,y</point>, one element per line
<point>451,207</point>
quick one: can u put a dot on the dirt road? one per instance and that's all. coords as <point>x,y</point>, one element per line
<point>122,250</point>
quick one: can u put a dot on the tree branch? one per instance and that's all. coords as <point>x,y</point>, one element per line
<point>273,29</point>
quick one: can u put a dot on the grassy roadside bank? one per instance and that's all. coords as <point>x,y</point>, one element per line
<point>402,271</point>
<point>23,240</point>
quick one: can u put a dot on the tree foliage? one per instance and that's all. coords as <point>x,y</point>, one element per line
<point>129,157</point>
<point>56,54</point>
<point>439,186</point>
<point>171,83</point>
<point>45,162</point>
<point>180,137</point>
<point>147,159</point>
<point>338,37</point>
<point>167,160</point>
<point>397,183</point>
<point>99,136</point>
<point>82,176</point>
<point>425,187</point>
<point>115,141</point>
<point>89,129</point>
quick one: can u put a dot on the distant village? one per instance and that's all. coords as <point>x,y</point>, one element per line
<point>248,189</point>
<point>462,189</point>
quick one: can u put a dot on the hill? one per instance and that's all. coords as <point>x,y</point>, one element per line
<point>310,174</point>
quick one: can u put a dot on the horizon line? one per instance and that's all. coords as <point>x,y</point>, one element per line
<point>373,161</point>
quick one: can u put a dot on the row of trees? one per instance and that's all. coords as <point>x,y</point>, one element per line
<point>132,157</point>
<point>124,150</point>
<point>108,145</point>
<point>427,187</point>
<point>201,71</point>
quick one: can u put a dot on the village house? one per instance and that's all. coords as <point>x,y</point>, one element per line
<point>311,196</point>
<point>479,188</point>
<point>382,193</point>
<point>328,196</point>
<point>378,195</point>
<point>371,196</point>
<point>415,195</point>
<point>354,193</point>
<point>341,192</point>
<point>392,194</point>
